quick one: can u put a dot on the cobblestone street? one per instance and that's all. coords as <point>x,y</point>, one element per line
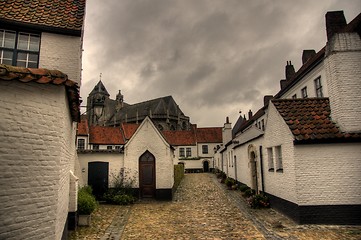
<point>204,209</point>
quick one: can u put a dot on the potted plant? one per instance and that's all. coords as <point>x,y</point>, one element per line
<point>86,205</point>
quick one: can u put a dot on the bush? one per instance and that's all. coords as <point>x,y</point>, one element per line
<point>243,187</point>
<point>122,192</point>
<point>258,201</point>
<point>86,201</point>
<point>249,192</point>
<point>230,182</point>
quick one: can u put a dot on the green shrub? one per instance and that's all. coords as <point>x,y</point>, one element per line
<point>258,201</point>
<point>123,199</point>
<point>86,201</point>
<point>230,182</point>
<point>249,192</point>
<point>243,187</point>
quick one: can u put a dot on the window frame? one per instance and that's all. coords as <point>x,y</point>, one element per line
<point>16,50</point>
<point>271,167</point>
<point>181,152</point>
<point>304,92</point>
<point>188,152</point>
<point>81,146</point>
<point>278,157</point>
<point>205,149</point>
<point>318,87</point>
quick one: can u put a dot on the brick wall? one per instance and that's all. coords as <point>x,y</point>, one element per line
<point>63,53</point>
<point>37,154</point>
<point>328,174</point>
<point>343,71</point>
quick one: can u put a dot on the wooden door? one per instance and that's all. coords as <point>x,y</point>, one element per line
<point>147,175</point>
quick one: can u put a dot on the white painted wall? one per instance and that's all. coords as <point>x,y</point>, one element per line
<point>115,160</point>
<point>62,53</point>
<point>37,152</point>
<point>328,174</point>
<point>308,81</point>
<point>139,143</point>
<point>281,184</point>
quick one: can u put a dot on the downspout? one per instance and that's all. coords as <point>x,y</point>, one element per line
<point>261,163</point>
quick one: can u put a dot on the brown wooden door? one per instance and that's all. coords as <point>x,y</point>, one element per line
<point>147,175</point>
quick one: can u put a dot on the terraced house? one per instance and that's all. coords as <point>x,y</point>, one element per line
<point>303,147</point>
<point>39,109</point>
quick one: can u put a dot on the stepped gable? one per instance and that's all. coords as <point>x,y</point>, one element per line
<point>309,120</point>
<point>58,16</point>
<point>45,76</point>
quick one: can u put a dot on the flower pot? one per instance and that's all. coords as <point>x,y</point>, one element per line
<point>84,220</point>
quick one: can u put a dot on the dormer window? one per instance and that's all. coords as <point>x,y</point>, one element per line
<point>19,48</point>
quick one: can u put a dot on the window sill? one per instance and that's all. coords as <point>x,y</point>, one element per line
<point>280,170</point>
<point>271,170</point>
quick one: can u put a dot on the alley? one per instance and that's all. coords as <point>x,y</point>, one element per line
<point>200,210</point>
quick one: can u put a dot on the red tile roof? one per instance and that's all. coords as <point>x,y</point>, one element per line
<point>61,14</point>
<point>180,138</point>
<point>129,129</point>
<point>309,120</point>
<point>83,128</point>
<point>105,135</point>
<point>209,135</point>
<point>45,76</point>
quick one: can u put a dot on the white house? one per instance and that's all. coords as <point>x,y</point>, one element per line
<point>39,110</point>
<point>302,148</point>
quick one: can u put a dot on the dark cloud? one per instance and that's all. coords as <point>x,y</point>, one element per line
<point>214,57</point>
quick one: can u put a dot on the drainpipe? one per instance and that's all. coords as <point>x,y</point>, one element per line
<point>261,162</point>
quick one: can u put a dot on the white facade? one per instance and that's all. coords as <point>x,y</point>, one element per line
<point>63,53</point>
<point>37,158</point>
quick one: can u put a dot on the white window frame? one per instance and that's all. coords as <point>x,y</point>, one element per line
<point>271,167</point>
<point>318,87</point>
<point>304,92</point>
<point>81,146</point>
<point>204,149</point>
<point>181,152</point>
<point>279,161</point>
<point>188,152</point>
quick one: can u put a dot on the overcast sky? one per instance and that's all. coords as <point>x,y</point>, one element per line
<point>215,57</point>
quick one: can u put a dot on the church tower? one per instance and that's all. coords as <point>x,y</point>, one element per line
<point>96,98</point>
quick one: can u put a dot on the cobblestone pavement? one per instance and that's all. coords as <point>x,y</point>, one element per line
<point>204,209</point>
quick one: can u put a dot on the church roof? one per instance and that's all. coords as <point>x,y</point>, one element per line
<point>99,88</point>
<point>309,120</point>
<point>45,76</point>
<point>63,16</point>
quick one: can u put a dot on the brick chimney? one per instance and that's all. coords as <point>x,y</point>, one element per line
<point>335,22</point>
<point>290,70</point>
<point>307,55</point>
<point>227,131</point>
<point>250,114</point>
<point>343,73</point>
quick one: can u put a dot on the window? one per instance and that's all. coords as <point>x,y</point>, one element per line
<point>318,87</point>
<point>304,92</point>
<point>95,147</point>
<point>189,152</point>
<point>117,147</point>
<point>270,159</point>
<point>109,147</point>
<point>279,166</point>
<point>262,124</point>
<point>205,149</point>
<point>19,48</point>
<point>81,143</point>
<point>294,96</point>
<point>181,152</point>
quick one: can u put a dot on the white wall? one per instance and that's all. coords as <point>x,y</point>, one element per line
<point>328,174</point>
<point>148,138</point>
<point>62,53</point>
<point>115,160</point>
<point>280,184</point>
<point>37,152</point>
<point>308,81</point>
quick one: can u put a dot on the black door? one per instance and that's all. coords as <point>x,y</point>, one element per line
<point>98,173</point>
<point>205,166</point>
<point>147,175</point>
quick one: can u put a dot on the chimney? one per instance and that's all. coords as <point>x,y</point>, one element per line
<point>266,99</point>
<point>335,22</point>
<point>290,70</point>
<point>227,132</point>
<point>308,54</point>
<point>283,83</point>
<point>250,114</point>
